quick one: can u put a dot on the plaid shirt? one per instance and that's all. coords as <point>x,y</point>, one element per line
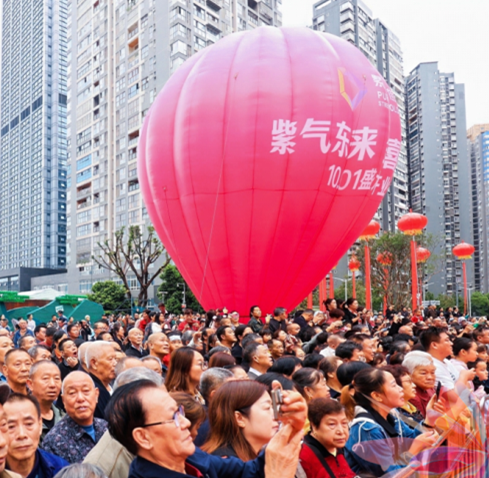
<point>70,441</point>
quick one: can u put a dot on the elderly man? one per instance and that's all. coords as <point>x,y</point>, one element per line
<point>38,353</point>
<point>24,428</point>
<point>27,342</point>
<point>16,369</point>
<point>4,437</point>
<point>101,359</point>
<point>78,431</point>
<point>5,345</point>
<point>147,421</point>
<point>22,332</point>
<point>108,453</point>
<point>159,347</point>
<point>134,348</point>
<point>153,363</point>
<point>259,358</point>
<point>210,381</point>
<point>45,384</point>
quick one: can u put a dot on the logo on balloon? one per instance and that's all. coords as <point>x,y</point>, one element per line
<point>352,88</point>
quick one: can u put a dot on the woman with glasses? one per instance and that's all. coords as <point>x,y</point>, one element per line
<point>184,372</point>
<point>241,420</point>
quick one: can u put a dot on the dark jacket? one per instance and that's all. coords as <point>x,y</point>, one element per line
<point>66,369</point>
<point>255,324</point>
<point>132,351</point>
<point>210,467</point>
<point>237,353</point>
<point>103,397</point>
<point>46,465</point>
<point>275,325</point>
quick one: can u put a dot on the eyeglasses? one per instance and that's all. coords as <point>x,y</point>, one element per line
<point>176,419</point>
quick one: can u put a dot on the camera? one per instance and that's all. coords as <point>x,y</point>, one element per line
<point>277,400</point>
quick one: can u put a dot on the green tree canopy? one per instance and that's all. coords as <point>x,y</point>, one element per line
<point>109,295</point>
<point>171,291</point>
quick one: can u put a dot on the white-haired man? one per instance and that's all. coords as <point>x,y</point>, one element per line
<point>101,361</point>
<point>78,431</point>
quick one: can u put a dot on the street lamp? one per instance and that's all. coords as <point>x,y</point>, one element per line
<point>469,290</point>
<point>184,300</point>
<point>425,286</point>
<point>346,286</point>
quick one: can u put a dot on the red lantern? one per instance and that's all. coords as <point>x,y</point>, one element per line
<point>354,264</point>
<point>412,223</point>
<point>385,258</point>
<point>422,255</point>
<point>232,138</point>
<point>370,231</point>
<point>463,250</point>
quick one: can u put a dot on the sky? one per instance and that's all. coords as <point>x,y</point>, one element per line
<point>453,32</point>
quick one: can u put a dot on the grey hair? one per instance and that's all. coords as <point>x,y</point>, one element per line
<point>121,364</point>
<point>64,381</point>
<point>95,349</point>
<point>37,365</point>
<point>81,470</point>
<point>151,357</point>
<point>137,373</point>
<point>415,359</point>
<point>187,336</point>
<point>34,350</point>
<point>211,379</point>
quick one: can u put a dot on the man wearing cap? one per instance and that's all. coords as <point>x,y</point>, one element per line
<point>22,332</point>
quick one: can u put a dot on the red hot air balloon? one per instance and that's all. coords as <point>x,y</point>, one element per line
<point>255,149</point>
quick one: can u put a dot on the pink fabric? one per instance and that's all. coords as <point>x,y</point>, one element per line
<point>253,193</point>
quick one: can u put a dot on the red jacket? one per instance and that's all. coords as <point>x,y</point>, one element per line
<point>315,469</point>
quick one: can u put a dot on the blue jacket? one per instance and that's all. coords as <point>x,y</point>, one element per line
<point>17,336</point>
<point>47,465</point>
<point>210,466</point>
<point>369,439</point>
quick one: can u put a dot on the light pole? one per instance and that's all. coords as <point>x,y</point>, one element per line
<point>184,300</point>
<point>469,290</point>
<point>425,286</point>
<point>346,286</point>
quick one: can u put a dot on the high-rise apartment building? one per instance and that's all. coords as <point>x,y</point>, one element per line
<point>478,143</point>
<point>121,53</point>
<point>33,199</point>
<point>439,167</point>
<point>352,20</point>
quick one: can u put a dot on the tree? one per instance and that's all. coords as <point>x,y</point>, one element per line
<point>479,304</point>
<point>394,280</point>
<point>109,295</point>
<point>135,255</point>
<point>172,290</point>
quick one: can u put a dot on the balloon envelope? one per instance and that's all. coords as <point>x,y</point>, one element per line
<point>263,159</point>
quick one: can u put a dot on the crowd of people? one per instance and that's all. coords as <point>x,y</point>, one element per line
<point>311,394</point>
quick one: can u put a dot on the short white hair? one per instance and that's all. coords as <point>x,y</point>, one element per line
<point>95,350</point>
<point>68,376</point>
<point>415,359</point>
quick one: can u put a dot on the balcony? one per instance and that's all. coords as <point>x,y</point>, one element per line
<point>265,10</point>
<point>214,4</point>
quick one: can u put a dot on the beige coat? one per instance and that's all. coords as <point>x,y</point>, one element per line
<point>110,456</point>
